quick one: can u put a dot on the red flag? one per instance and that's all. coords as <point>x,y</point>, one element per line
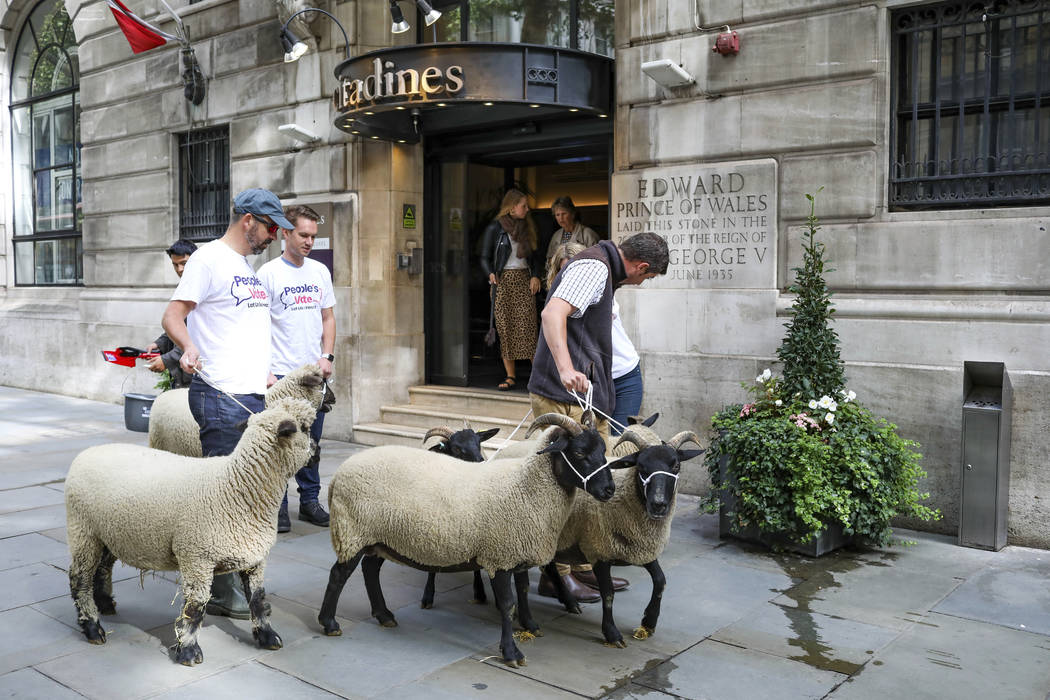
<point>142,35</point>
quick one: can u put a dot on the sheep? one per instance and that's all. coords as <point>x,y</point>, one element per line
<point>465,445</point>
<point>157,511</point>
<point>437,513</point>
<point>172,427</point>
<point>630,529</point>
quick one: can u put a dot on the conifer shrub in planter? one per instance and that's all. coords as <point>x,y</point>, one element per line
<point>804,460</point>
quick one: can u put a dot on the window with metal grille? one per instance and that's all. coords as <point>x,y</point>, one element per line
<point>971,101</point>
<point>204,183</point>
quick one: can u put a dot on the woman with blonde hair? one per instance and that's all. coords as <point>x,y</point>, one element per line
<point>510,260</point>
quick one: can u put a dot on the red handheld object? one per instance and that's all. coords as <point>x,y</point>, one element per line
<point>125,356</point>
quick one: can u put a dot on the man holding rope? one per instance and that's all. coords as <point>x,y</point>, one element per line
<point>575,353</point>
<point>226,341</point>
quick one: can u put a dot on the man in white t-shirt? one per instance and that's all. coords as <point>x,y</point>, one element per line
<point>302,332</point>
<point>226,341</point>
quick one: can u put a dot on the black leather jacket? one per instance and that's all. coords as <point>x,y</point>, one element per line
<point>495,250</point>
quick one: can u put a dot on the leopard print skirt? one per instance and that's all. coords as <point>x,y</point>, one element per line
<point>516,316</point>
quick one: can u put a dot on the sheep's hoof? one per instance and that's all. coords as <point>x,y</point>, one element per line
<point>93,632</point>
<point>426,604</point>
<point>618,644</point>
<point>479,601</point>
<point>643,632</point>
<point>516,663</point>
<point>574,609</point>
<point>189,654</point>
<point>267,638</point>
<point>331,627</point>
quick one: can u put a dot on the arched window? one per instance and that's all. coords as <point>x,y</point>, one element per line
<point>45,131</point>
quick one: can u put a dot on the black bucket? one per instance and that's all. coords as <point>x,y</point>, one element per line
<point>136,411</point>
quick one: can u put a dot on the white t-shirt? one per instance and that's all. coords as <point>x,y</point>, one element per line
<point>297,295</point>
<point>231,323</point>
<point>582,284</point>
<point>625,357</point>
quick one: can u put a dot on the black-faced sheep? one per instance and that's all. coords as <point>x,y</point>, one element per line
<point>462,444</point>
<point>200,516</point>
<point>436,513</point>
<point>172,427</point>
<point>630,529</point>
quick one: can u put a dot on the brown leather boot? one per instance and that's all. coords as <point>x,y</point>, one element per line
<point>582,593</point>
<point>590,579</point>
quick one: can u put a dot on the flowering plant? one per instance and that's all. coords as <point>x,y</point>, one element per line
<point>803,453</point>
<point>797,464</point>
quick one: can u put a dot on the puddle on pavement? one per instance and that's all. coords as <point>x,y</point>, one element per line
<point>817,575</point>
<point>656,682</point>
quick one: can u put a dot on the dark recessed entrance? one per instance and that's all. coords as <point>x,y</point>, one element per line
<point>466,174</point>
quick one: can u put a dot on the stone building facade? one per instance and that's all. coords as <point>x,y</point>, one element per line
<point>810,101</point>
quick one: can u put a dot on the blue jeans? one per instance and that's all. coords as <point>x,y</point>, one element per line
<point>628,398</point>
<point>219,416</point>
<point>309,477</point>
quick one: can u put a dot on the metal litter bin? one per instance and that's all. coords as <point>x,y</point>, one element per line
<point>985,483</point>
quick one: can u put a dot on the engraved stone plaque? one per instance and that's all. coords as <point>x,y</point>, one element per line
<point>719,220</point>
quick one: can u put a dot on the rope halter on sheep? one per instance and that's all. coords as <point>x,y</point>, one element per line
<point>574,429</point>
<point>675,443</point>
<point>587,404</point>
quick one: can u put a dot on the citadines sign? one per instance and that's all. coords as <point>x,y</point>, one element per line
<point>387,80</point>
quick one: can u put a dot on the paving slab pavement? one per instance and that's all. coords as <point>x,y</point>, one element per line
<point>929,620</point>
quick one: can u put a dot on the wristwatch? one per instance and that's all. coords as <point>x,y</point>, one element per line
<point>330,357</point>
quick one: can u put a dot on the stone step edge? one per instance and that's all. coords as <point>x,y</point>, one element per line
<point>452,419</point>
<point>410,432</point>
<point>466,392</point>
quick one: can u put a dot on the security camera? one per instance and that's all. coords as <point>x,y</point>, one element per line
<point>294,131</point>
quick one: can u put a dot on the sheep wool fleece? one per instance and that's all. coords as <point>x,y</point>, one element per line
<point>438,511</point>
<point>158,511</point>
<point>172,427</point>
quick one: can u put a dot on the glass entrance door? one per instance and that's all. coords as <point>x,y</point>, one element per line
<point>462,199</point>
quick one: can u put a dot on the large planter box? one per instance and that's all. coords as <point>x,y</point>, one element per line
<point>830,539</point>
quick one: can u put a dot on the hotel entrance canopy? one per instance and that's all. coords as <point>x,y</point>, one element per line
<point>402,93</point>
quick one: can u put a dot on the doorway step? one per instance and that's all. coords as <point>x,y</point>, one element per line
<point>432,406</point>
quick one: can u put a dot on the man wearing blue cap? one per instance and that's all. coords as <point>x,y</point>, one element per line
<point>226,341</point>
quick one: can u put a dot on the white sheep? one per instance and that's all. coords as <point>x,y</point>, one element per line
<point>172,427</point>
<point>437,513</point>
<point>157,511</point>
<point>632,528</point>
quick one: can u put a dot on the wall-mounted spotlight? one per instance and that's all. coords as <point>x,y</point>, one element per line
<point>399,25</point>
<point>298,133</point>
<point>294,47</point>
<point>667,73</point>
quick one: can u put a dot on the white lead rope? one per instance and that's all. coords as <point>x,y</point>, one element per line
<point>203,375</point>
<point>586,403</point>
<point>505,442</point>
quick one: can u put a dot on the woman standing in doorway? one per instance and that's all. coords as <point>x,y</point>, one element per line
<point>512,264</point>
<point>571,231</point>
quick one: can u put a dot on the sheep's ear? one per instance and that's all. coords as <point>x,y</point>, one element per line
<point>624,462</point>
<point>287,428</point>
<point>312,380</point>
<point>647,422</point>
<point>684,455</point>
<point>559,445</point>
<point>487,434</point>
<point>242,426</point>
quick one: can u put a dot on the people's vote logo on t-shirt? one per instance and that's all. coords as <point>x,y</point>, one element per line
<point>303,296</point>
<point>244,289</point>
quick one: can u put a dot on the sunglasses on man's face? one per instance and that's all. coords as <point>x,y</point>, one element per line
<point>271,228</point>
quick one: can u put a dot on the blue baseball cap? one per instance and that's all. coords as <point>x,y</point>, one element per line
<point>261,203</point>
